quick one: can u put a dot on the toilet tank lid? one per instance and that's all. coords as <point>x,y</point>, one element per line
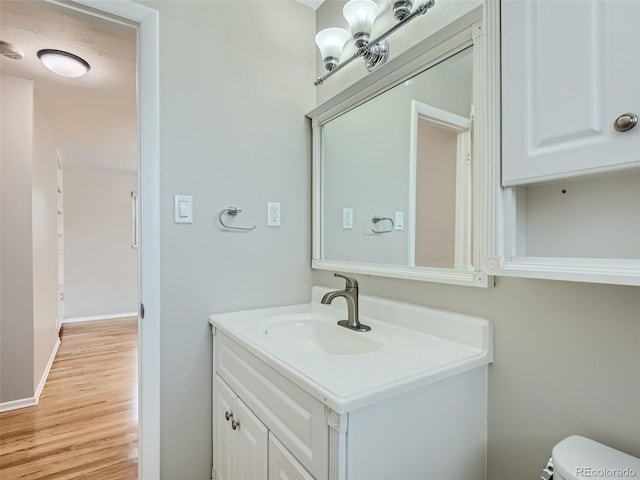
<point>578,458</point>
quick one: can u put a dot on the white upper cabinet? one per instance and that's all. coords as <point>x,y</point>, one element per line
<point>570,68</point>
<point>564,182</point>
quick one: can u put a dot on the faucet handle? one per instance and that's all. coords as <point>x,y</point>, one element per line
<point>351,282</point>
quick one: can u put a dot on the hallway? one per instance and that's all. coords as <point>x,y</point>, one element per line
<point>86,424</point>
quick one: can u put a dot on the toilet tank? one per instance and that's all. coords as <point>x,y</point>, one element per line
<point>579,458</point>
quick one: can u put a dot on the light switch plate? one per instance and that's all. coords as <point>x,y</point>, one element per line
<point>183,209</point>
<point>399,223</point>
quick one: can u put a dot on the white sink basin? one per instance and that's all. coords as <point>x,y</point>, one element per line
<point>409,346</point>
<point>317,333</point>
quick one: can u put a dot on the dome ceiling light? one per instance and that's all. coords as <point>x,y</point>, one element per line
<point>63,63</point>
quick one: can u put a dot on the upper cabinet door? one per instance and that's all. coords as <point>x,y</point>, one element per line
<point>570,68</point>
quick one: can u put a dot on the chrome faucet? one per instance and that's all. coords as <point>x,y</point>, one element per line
<point>350,294</point>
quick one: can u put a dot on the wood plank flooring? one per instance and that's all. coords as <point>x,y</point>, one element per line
<point>86,424</point>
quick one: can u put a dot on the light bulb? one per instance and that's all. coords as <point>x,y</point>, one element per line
<point>360,14</point>
<point>331,41</point>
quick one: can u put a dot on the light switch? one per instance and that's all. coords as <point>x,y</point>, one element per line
<point>399,223</point>
<point>183,209</point>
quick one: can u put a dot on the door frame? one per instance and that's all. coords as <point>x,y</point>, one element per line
<point>145,21</point>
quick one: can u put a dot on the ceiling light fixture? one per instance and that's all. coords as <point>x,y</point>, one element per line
<point>63,63</point>
<point>361,14</point>
<point>11,51</point>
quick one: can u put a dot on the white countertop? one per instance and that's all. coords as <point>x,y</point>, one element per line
<point>419,346</point>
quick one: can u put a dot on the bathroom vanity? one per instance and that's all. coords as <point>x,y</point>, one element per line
<point>296,396</point>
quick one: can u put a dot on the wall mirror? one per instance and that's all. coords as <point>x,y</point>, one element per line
<point>395,160</point>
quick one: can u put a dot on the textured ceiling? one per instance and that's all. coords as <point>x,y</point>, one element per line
<point>93,118</point>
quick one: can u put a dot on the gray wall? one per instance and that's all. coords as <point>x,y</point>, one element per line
<point>566,354</point>
<point>363,170</point>
<point>29,286</point>
<point>236,79</point>
<point>16,321</point>
<point>586,207</point>
<point>100,266</point>
<point>45,243</point>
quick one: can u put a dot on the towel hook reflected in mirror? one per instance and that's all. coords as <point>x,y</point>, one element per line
<point>376,219</point>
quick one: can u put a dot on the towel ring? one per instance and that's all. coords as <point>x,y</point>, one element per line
<point>377,219</point>
<point>232,211</point>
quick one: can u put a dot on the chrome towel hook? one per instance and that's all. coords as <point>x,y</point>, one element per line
<point>377,219</point>
<point>232,211</point>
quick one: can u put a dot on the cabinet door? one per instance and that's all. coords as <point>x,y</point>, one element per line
<point>252,438</point>
<point>224,453</point>
<point>282,465</point>
<point>569,69</point>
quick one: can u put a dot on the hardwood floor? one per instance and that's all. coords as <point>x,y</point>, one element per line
<point>86,424</point>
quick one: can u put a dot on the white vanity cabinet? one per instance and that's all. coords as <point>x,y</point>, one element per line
<point>273,415</point>
<point>567,182</point>
<point>241,440</point>
<point>282,464</point>
<point>244,448</point>
<point>413,407</point>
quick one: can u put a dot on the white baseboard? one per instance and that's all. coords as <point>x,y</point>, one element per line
<point>47,369</point>
<point>33,401</point>
<point>100,317</point>
<point>16,404</point>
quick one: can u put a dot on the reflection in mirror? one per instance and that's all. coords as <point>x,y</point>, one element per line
<point>441,167</point>
<point>403,157</point>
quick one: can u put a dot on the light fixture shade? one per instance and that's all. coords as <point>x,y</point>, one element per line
<point>63,63</point>
<point>360,14</point>
<point>331,41</point>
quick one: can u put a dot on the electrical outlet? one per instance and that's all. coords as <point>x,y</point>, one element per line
<point>399,223</point>
<point>347,218</point>
<point>273,214</point>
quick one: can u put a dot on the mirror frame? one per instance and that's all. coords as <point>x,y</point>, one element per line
<point>462,33</point>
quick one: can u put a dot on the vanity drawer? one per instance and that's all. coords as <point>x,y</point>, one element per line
<point>297,419</point>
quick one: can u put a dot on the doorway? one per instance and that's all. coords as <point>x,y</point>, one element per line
<point>144,22</point>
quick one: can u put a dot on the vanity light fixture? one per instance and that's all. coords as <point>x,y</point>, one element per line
<point>63,63</point>
<point>361,14</point>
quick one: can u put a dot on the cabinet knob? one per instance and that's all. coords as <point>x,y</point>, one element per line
<point>235,425</point>
<point>625,122</point>
<point>228,415</point>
